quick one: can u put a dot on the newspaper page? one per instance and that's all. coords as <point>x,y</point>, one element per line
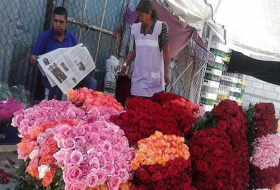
<point>66,67</point>
<point>48,58</point>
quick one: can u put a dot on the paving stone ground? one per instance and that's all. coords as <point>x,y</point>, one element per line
<point>8,152</point>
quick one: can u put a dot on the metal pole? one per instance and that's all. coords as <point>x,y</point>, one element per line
<point>91,26</point>
<point>103,16</point>
<point>83,15</point>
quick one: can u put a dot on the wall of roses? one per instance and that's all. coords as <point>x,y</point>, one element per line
<point>165,142</point>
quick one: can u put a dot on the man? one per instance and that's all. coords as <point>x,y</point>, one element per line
<point>54,38</point>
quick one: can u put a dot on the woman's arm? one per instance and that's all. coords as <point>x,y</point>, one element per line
<point>130,58</point>
<point>166,59</point>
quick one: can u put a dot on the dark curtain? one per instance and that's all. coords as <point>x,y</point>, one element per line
<point>268,71</point>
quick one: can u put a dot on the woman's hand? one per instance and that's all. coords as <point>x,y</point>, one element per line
<point>123,69</point>
<point>166,79</point>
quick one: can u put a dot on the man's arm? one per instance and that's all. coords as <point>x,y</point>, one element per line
<point>38,49</point>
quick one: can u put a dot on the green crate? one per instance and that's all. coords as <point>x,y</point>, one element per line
<point>207,101</point>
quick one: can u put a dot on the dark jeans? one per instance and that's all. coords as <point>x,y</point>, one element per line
<point>55,92</point>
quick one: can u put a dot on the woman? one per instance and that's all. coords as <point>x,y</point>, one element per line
<point>151,53</point>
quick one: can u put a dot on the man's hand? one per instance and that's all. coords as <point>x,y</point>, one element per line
<point>32,60</point>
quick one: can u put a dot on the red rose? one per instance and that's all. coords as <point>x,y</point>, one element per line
<point>156,176</point>
<point>221,125</point>
<point>142,174</point>
<point>152,168</point>
<point>201,166</point>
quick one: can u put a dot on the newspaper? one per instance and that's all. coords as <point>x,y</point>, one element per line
<point>66,67</point>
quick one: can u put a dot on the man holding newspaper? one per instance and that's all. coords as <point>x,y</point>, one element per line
<point>55,70</point>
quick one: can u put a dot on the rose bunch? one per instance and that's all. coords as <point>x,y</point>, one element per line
<point>175,174</point>
<point>93,154</point>
<point>265,178</point>
<point>4,177</point>
<point>265,120</point>
<point>229,118</point>
<point>211,156</point>
<point>42,164</point>
<point>265,167</point>
<point>87,99</point>
<point>158,149</point>
<point>161,162</point>
<point>62,143</point>
<point>8,108</point>
<point>266,151</point>
<point>51,111</point>
<point>172,116</point>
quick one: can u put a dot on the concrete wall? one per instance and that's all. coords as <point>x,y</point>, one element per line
<point>259,91</point>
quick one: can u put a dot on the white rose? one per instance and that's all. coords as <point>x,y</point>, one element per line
<point>42,170</point>
<point>34,153</point>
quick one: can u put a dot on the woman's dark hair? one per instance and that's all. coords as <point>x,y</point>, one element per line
<point>145,6</point>
<point>60,11</point>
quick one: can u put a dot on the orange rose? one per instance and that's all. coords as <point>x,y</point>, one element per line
<point>51,141</point>
<point>48,178</point>
<point>47,160</point>
<point>103,187</point>
<point>53,149</point>
<point>35,131</point>
<point>26,146</point>
<point>32,168</point>
<point>125,186</point>
<point>135,164</point>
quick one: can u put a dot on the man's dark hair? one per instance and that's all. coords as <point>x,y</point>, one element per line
<point>60,11</point>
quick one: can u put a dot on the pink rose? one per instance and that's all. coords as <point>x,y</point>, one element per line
<point>124,175</point>
<point>102,160</point>
<point>85,169</point>
<point>71,133</point>
<point>59,139</point>
<point>80,140</point>
<point>72,174</point>
<point>102,176</point>
<point>91,179</point>
<point>110,169</point>
<point>80,130</point>
<point>41,138</point>
<point>62,157</point>
<point>76,185</point>
<point>44,149</point>
<point>114,182</point>
<point>76,157</point>
<point>94,163</point>
<point>107,146</point>
<point>69,143</point>
<point>88,136</point>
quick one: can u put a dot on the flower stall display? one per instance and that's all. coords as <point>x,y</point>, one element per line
<point>265,168</point>
<point>162,162</point>
<point>164,112</point>
<point>229,118</point>
<point>64,146</point>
